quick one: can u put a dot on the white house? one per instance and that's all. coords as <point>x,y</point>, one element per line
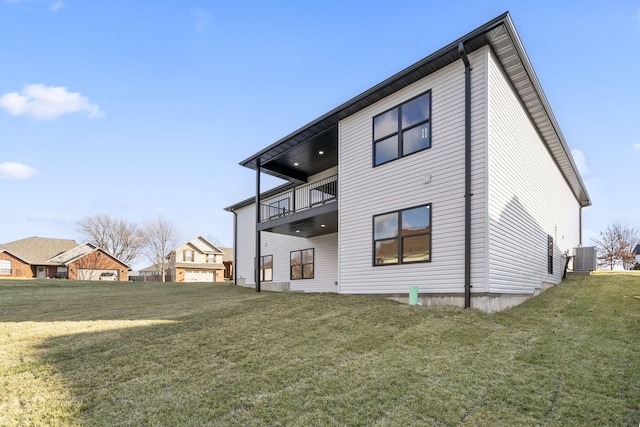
<point>197,260</point>
<point>452,176</point>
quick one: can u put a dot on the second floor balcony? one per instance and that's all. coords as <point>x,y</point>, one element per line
<point>307,210</point>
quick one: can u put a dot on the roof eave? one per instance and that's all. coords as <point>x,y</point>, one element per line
<point>528,88</point>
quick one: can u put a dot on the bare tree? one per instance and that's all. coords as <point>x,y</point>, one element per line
<point>615,245</point>
<point>159,237</point>
<point>214,240</point>
<point>117,236</point>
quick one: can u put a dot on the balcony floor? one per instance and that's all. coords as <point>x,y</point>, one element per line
<point>311,222</point>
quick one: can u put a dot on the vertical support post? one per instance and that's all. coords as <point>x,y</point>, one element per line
<point>258,243</point>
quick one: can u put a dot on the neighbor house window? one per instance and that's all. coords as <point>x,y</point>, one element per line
<point>187,255</point>
<point>549,254</point>
<point>403,130</point>
<point>266,268</point>
<point>402,237</point>
<point>302,264</point>
<point>5,267</point>
<point>211,258</point>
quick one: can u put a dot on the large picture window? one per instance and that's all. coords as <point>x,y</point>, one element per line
<point>403,130</point>
<point>302,264</point>
<point>5,267</point>
<point>402,237</point>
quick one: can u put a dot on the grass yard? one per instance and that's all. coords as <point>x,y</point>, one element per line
<point>131,354</point>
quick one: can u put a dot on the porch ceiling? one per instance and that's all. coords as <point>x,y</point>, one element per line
<point>300,161</point>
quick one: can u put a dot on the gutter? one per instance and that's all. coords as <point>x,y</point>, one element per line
<point>467,175</point>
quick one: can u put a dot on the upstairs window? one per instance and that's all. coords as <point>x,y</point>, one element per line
<point>403,130</point>
<point>187,256</point>
<point>402,237</point>
<point>211,258</point>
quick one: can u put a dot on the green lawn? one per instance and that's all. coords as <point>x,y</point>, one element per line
<point>130,354</point>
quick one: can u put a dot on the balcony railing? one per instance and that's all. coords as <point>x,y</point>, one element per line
<point>300,198</point>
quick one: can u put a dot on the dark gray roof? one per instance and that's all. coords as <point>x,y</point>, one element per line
<point>637,249</point>
<point>501,35</point>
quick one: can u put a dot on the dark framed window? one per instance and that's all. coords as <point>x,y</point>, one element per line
<point>266,268</point>
<point>403,236</point>
<point>403,130</point>
<point>549,254</point>
<point>187,255</point>
<point>278,208</point>
<point>302,264</point>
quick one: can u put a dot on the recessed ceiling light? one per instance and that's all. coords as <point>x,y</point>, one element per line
<point>295,164</point>
<point>297,231</point>
<point>322,225</point>
<point>321,152</point>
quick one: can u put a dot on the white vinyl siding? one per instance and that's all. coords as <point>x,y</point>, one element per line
<point>280,246</point>
<point>434,176</point>
<point>529,198</point>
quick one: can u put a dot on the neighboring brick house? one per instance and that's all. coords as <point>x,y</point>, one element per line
<point>197,261</point>
<point>227,260</point>
<point>40,257</point>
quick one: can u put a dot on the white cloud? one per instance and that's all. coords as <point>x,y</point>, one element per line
<point>47,102</point>
<point>637,146</point>
<point>56,6</point>
<point>201,20</point>
<point>13,170</point>
<point>580,161</point>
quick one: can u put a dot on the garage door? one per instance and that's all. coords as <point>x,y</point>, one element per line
<point>199,276</point>
<point>93,274</point>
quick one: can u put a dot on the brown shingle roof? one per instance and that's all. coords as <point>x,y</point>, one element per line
<point>38,250</point>
<point>227,255</point>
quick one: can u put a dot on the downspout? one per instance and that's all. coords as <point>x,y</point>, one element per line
<point>235,246</point>
<point>257,261</point>
<point>467,175</point>
<point>580,227</point>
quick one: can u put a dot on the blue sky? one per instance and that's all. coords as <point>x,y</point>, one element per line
<point>139,109</point>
